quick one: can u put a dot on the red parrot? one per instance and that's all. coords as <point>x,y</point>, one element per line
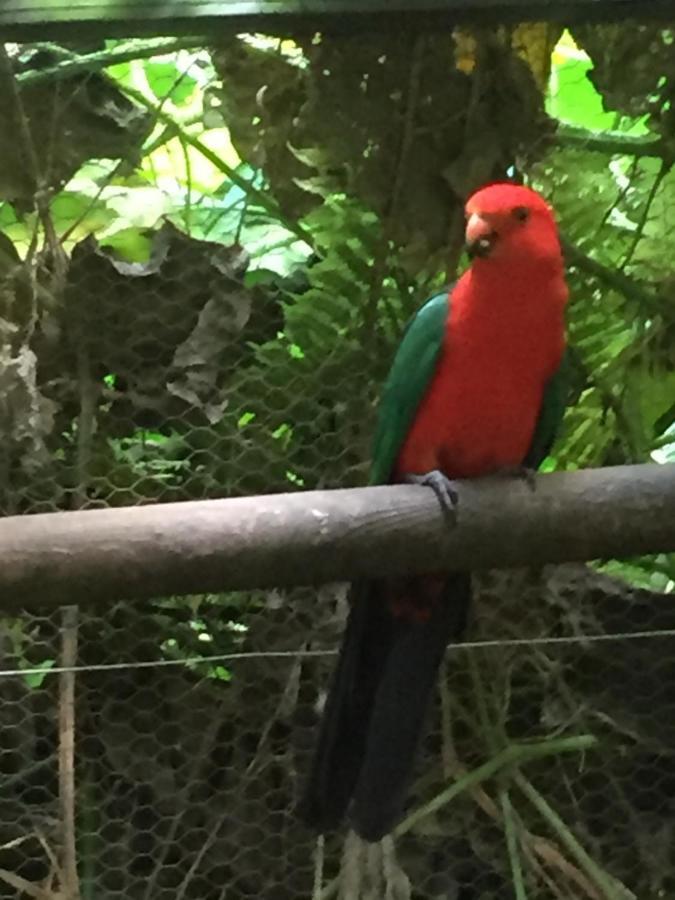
<point>476,387</point>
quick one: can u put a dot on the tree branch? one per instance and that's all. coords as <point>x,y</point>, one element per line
<point>664,170</point>
<point>67,791</point>
<point>614,143</point>
<point>320,536</point>
<point>74,63</point>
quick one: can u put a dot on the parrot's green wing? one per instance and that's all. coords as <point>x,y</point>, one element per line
<point>550,415</point>
<point>409,377</point>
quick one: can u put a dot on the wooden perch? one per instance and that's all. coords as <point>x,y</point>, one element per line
<point>318,536</point>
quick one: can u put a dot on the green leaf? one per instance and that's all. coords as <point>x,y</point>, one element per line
<point>322,185</point>
<point>572,97</point>
<point>34,679</point>
<point>131,244</point>
<point>166,80</point>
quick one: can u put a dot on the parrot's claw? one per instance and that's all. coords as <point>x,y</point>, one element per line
<point>443,488</point>
<point>525,473</point>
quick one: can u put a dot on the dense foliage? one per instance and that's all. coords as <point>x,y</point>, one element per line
<point>207,256</point>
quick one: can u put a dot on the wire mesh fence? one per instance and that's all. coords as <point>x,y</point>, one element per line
<point>187,773</point>
<point>208,253</point>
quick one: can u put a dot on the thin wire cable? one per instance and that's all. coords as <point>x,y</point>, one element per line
<point>189,661</point>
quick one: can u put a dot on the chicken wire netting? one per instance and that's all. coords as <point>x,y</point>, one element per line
<point>208,252</point>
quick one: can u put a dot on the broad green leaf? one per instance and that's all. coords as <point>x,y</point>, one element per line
<point>166,80</point>
<point>131,244</point>
<point>34,679</point>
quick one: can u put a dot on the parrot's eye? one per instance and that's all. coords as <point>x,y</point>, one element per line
<point>520,213</point>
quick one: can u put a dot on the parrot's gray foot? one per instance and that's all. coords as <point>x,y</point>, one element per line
<point>445,491</point>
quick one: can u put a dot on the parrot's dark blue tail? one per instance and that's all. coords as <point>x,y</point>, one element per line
<point>378,701</point>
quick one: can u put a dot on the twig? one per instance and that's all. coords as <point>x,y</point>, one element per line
<point>611,142</point>
<point>548,853</point>
<point>73,63</point>
<point>664,169</point>
<point>318,867</point>
<point>448,752</point>
<point>22,777</point>
<point>205,746</point>
<point>242,216</point>
<point>16,842</point>
<point>513,755</point>
<point>512,844</point>
<point>67,752</point>
<point>25,139</point>
<point>400,175</point>
<point>188,187</point>
<point>167,133</point>
<point>55,870</point>
<point>489,731</point>
<point>484,721</point>
<point>611,887</point>
<point>472,125</point>
<point>86,423</point>
<point>199,856</point>
<point>9,85</point>
<point>22,885</point>
<point>408,129</point>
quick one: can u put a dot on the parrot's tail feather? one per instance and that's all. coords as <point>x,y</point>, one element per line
<point>403,699</point>
<point>346,715</point>
<point>377,705</point>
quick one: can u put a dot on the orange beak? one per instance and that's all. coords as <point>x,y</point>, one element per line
<point>476,228</point>
<point>480,236</point>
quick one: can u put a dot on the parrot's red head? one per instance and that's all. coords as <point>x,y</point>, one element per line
<point>508,222</point>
